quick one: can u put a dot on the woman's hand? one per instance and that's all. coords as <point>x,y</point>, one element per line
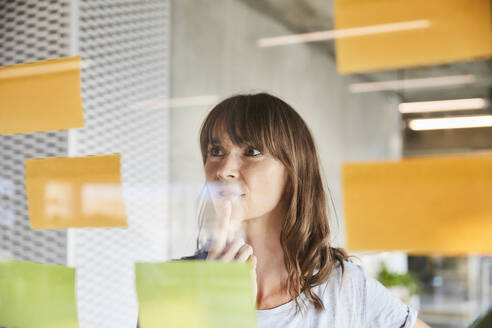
<point>225,247</point>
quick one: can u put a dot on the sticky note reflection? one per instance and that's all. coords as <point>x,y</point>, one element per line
<point>435,205</point>
<point>195,294</point>
<point>41,96</point>
<point>78,192</point>
<point>36,295</point>
<point>392,34</point>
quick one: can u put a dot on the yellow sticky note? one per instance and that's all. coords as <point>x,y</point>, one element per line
<point>438,205</point>
<point>410,33</point>
<point>75,192</point>
<point>41,96</point>
<point>195,294</point>
<point>37,295</point>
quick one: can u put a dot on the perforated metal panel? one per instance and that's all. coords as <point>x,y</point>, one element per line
<point>29,31</point>
<point>33,30</point>
<point>125,45</point>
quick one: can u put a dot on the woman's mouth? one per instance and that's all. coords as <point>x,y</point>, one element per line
<point>230,194</point>
<point>230,190</point>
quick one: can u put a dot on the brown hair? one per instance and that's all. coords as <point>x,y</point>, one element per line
<point>268,123</point>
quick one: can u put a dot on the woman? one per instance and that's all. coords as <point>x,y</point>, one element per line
<point>261,159</point>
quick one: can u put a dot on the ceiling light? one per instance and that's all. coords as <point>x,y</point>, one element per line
<point>343,33</point>
<point>159,103</point>
<point>443,105</point>
<point>412,83</point>
<point>460,122</point>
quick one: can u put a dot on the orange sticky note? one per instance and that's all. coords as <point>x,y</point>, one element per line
<point>41,96</point>
<point>394,34</point>
<point>78,192</point>
<point>438,205</point>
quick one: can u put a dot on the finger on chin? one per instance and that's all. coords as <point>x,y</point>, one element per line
<point>244,253</point>
<point>220,236</point>
<point>232,250</point>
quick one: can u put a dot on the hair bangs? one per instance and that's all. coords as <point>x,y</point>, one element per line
<point>241,120</point>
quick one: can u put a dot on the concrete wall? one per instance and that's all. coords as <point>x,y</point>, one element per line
<point>214,52</point>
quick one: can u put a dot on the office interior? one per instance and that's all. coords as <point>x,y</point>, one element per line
<point>151,70</point>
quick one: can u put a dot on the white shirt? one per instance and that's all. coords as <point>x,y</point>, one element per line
<point>360,301</point>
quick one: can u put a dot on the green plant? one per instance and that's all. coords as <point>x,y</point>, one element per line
<point>390,279</point>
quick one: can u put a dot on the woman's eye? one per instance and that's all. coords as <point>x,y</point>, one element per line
<point>215,151</point>
<point>252,151</point>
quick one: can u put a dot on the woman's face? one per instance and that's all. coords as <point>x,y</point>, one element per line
<point>254,180</point>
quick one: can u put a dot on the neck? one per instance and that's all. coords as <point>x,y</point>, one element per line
<point>263,234</point>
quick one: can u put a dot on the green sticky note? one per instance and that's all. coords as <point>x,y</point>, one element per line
<point>192,294</point>
<point>37,295</point>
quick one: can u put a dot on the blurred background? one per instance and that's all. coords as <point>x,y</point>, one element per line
<point>153,69</point>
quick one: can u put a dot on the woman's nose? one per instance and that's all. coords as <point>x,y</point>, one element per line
<point>229,168</point>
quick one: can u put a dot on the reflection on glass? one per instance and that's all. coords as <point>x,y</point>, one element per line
<point>421,83</point>
<point>104,200</point>
<point>75,192</point>
<point>7,187</point>
<point>59,200</point>
<point>163,103</point>
<point>7,190</point>
<point>344,33</point>
<point>214,198</point>
<point>6,215</point>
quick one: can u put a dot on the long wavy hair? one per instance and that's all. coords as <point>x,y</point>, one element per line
<point>268,123</point>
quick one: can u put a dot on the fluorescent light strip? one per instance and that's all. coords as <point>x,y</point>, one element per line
<point>461,122</point>
<point>443,105</point>
<point>343,33</point>
<point>412,83</point>
<point>159,103</point>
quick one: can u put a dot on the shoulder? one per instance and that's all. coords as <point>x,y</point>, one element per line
<point>350,271</point>
<point>342,296</point>
<point>359,297</point>
<point>378,306</point>
<point>346,283</point>
<point>347,273</point>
